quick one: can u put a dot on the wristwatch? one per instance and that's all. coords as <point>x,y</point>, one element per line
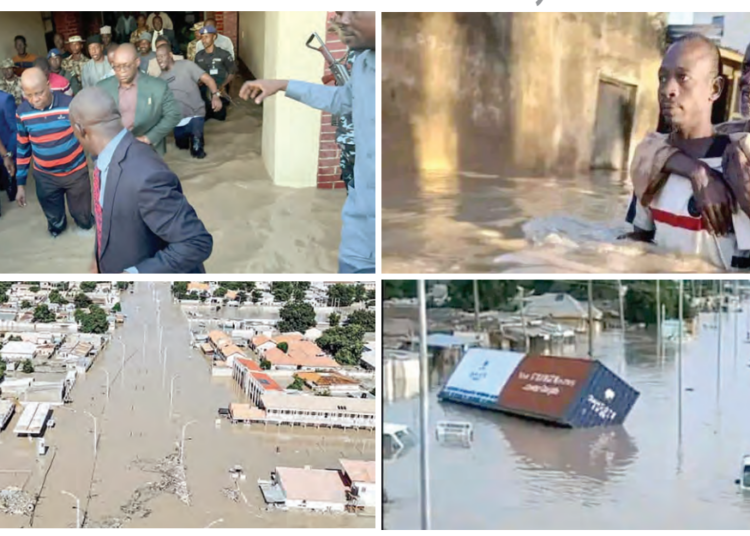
<point>217,94</point>
<point>8,155</point>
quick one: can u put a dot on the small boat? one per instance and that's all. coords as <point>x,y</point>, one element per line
<point>7,409</point>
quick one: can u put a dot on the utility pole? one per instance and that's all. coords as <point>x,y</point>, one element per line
<point>591,319</point>
<point>658,318</point>
<point>679,357</point>
<point>523,320</point>
<point>476,305</point>
<point>424,408</point>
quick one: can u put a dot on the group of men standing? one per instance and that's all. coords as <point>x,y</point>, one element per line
<point>121,116</point>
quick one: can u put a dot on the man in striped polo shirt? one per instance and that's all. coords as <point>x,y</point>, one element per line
<point>60,171</point>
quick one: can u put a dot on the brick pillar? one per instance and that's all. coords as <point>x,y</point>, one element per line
<point>67,23</point>
<point>329,170</point>
<point>227,23</point>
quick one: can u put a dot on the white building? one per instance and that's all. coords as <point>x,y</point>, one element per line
<point>312,489</point>
<point>318,411</point>
<point>360,477</point>
<point>18,351</point>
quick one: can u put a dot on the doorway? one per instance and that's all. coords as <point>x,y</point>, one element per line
<point>614,124</point>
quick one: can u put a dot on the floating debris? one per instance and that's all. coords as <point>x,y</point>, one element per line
<point>173,482</point>
<point>232,494</point>
<point>15,501</point>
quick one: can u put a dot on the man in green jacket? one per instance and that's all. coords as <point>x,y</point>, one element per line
<point>147,106</point>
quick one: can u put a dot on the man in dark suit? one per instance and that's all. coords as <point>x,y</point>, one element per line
<point>161,31</point>
<point>146,104</point>
<point>144,223</point>
<point>8,144</point>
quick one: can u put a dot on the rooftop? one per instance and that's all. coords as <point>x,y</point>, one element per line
<point>302,354</point>
<point>360,471</point>
<point>248,363</point>
<point>327,379</point>
<point>230,349</point>
<point>268,383</point>
<point>314,485</point>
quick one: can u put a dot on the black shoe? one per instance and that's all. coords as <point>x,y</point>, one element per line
<point>196,149</point>
<point>183,142</point>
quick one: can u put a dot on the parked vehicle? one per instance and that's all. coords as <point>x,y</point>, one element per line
<point>744,481</point>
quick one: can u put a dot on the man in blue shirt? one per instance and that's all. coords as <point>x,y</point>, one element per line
<point>8,144</point>
<point>357,249</point>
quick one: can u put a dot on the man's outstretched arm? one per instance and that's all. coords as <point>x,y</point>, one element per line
<point>335,100</point>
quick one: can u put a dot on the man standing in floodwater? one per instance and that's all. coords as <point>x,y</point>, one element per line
<point>60,172</point>
<point>689,84</point>
<point>655,157</point>
<point>357,249</point>
<point>144,223</point>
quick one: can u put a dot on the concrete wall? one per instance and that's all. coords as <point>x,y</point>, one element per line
<point>520,89</point>
<point>26,23</point>
<point>291,131</point>
<point>252,40</point>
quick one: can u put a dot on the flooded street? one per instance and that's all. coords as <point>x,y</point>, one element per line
<point>136,432</point>
<point>653,473</point>
<point>481,222</point>
<point>281,230</point>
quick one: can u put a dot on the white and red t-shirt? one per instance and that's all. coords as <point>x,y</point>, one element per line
<point>674,216</point>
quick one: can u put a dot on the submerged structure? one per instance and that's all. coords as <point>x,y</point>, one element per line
<point>570,392</point>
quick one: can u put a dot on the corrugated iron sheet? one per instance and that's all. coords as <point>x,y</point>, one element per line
<point>480,376</point>
<point>544,387</point>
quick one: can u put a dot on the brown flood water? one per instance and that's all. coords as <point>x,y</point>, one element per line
<point>135,425</point>
<point>257,227</point>
<point>643,475</point>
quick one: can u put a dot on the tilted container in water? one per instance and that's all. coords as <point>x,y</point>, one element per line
<point>576,393</point>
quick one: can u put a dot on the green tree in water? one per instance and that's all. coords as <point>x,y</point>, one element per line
<point>95,321</point>
<point>88,286</point>
<point>28,366</point>
<point>345,343</point>
<point>334,319</point>
<point>363,318</point>
<point>297,384</point>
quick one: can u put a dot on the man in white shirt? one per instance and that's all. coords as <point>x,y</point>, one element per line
<point>164,17</point>
<point>222,41</point>
<point>689,84</point>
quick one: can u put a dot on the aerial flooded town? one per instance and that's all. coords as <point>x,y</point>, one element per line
<point>188,405</point>
<point>541,404</point>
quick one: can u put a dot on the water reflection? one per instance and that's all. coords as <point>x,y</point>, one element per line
<point>656,472</point>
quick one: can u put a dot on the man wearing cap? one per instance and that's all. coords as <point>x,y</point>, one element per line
<point>55,59</point>
<point>56,82</point>
<point>183,78</point>
<point>220,66</point>
<point>60,46</point>
<point>97,67</point>
<point>8,145</point>
<point>140,30</point>
<point>23,60</point>
<point>106,33</point>
<point>192,46</point>
<point>222,41</point>
<point>75,62</point>
<point>146,54</point>
<point>357,247</point>
<point>60,172</point>
<point>146,104</point>
<point>9,82</point>
<point>154,68</point>
<point>161,32</point>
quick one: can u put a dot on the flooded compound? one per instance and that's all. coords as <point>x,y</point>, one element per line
<point>281,230</point>
<point>658,471</point>
<point>134,476</point>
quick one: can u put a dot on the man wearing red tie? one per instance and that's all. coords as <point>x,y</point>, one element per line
<point>144,223</point>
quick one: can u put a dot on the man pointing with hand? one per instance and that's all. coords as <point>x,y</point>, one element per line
<point>357,249</point>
